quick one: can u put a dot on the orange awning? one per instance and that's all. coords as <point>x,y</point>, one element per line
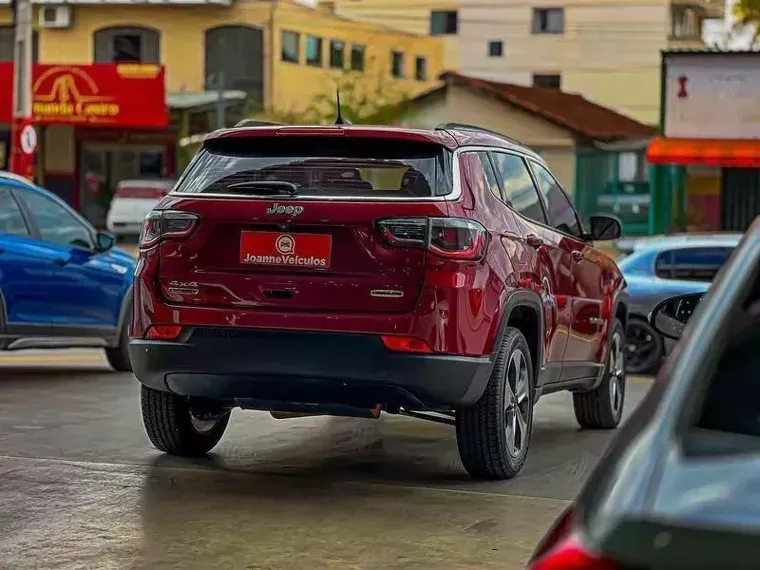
<point>739,153</point>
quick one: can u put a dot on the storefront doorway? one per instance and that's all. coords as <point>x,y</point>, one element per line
<point>103,166</point>
<point>740,199</point>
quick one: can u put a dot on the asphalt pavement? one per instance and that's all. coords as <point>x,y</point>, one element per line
<point>81,487</point>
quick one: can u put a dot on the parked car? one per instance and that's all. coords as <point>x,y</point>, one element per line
<point>132,201</point>
<point>660,269</point>
<point>62,283</point>
<point>351,270</point>
<point>628,245</point>
<point>679,486</point>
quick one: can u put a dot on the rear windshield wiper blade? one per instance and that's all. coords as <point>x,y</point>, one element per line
<point>265,187</point>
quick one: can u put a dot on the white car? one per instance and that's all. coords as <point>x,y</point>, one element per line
<point>132,201</point>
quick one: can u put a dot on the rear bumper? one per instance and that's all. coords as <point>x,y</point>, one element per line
<point>331,368</point>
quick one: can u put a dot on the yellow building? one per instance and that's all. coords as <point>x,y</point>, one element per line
<point>280,52</point>
<point>438,18</point>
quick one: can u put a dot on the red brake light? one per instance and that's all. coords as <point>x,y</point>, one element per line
<point>163,332</point>
<point>405,344</point>
<point>452,238</point>
<point>165,224</point>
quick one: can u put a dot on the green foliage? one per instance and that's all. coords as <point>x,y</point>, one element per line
<point>747,14</point>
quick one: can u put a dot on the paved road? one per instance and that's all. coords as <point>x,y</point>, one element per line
<point>80,486</point>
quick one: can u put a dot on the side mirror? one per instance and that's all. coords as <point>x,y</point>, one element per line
<point>669,317</point>
<point>104,241</point>
<point>605,228</point>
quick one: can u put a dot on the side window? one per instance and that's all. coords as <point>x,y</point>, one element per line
<point>56,223</point>
<point>559,208</point>
<point>11,220</point>
<point>493,183</point>
<point>519,191</point>
<point>693,263</point>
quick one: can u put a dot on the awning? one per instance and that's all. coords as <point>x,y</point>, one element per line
<point>737,153</point>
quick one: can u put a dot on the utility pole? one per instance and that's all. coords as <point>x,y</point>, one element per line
<point>23,134</point>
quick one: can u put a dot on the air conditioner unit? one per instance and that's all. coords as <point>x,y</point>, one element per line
<point>55,16</point>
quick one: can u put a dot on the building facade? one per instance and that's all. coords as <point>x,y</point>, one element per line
<point>606,50</point>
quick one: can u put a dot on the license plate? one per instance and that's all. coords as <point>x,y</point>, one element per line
<point>276,249</point>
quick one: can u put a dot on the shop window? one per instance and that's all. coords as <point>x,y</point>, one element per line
<point>444,22</point>
<point>397,64</point>
<point>6,44</point>
<point>551,80</point>
<point>314,51</point>
<point>234,60</point>
<point>127,45</point>
<point>495,48</point>
<point>337,54</point>
<point>420,68</point>
<point>357,57</point>
<point>289,46</point>
<point>548,20</point>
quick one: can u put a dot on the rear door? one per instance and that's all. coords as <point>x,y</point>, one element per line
<point>300,223</point>
<point>580,272</point>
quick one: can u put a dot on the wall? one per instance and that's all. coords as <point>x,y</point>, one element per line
<point>554,143</point>
<point>409,17</point>
<point>609,52</point>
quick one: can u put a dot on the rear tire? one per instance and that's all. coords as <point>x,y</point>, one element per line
<point>173,427</point>
<point>494,434</point>
<point>602,408</point>
<point>118,356</point>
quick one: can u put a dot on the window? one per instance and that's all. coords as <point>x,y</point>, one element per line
<point>519,191</point>
<point>443,22</point>
<point>11,220</point>
<point>495,48</point>
<point>314,51</point>
<point>7,35</point>
<point>685,22</point>
<point>56,223</point>
<point>290,42</point>
<point>548,20</point>
<point>234,59</point>
<point>561,213</point>
<point>553,81</point>
<point>692,263</point>
<point>357,57</point>
<point>397,64</point>
<point>420,68</point>
<point>337,54</point>
<point>493,183</point>
<point>127,45</point>
<point>322,167</point>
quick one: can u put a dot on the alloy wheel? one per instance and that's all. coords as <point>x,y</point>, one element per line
<point>517,404</point>
<point>616,372</point>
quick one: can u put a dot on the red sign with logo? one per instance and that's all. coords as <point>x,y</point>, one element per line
<point>100,95</point>
<point>310,251</point>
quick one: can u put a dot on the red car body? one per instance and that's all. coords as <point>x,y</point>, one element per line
<point>393,319</point>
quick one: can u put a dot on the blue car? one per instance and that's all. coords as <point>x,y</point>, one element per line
<point>656,269</point>
<point>62,283</point>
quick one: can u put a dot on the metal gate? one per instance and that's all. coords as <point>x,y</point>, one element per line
<point>740,198</point>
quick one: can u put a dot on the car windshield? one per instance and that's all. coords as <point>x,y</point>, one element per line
<point>313,166</point>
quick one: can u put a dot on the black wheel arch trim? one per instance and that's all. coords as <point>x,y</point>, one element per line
<point>126,303</point>
<point>623,298</point>
<point>530,299</point>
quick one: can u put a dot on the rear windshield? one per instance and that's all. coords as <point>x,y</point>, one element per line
<point>320,166</point>
<point>142,192</point>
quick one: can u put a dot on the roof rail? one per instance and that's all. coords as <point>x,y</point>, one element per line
<point>466,127</point>
<point>257,123</point>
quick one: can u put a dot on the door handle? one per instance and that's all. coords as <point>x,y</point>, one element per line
<point>534,241</point>
<point>578,255</point>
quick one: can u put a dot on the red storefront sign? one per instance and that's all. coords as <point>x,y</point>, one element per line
<point>98,95</point>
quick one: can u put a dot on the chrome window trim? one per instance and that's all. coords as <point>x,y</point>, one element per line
<point>455,194</point>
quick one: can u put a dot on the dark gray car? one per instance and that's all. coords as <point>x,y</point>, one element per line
<point>658,269</point>
<point>680,485</point>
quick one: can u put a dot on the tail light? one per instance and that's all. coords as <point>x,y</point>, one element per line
<point>561,549</point>
<point>405,344</point>
<point>451,238</point>
<point>166,224</point>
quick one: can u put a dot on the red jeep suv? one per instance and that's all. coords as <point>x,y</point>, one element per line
<point>353,270</point>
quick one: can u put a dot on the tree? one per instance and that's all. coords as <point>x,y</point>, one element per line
<point>747,14</point>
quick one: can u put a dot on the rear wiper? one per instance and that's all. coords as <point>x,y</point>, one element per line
<point>265,187</point>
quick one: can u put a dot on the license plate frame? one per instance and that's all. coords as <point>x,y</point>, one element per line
<point>285,249</point>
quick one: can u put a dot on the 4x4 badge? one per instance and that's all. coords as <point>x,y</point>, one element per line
<point>280,210</point>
